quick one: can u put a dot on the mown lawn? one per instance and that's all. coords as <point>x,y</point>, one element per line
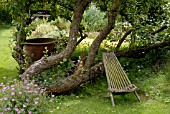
<point>154,90</point>
<point>7,63</point>
<point>154,93</point>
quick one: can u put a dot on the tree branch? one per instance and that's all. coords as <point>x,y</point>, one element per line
<point>122,39</point>
<point>159,30</point>
<point>50,61</point>
<point>140,52</point>
<point>112,15</point>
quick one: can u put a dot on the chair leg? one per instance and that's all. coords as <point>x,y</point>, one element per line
<point>112,100</point>
<point>137,96</point>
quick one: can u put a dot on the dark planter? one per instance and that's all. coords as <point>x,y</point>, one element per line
<point>35,47</point>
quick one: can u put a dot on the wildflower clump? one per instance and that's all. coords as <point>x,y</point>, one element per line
<point>23,97</point>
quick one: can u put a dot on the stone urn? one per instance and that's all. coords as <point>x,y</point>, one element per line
<point>35,48</point>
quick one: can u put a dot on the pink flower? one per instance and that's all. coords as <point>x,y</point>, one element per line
<point>4,89</point>
<point>35,102</point>
<point>5,109</point>
<point>30,91</point>
<point>42,90</point>
<point>35,85</point>
<point>20,93</point>
<point>14,85</point>
<point>16,109</point>
<point>24,105</point>
<point>36,92</point>
<point>13,99</point>
<point>29,112</point>
<point>12,93</point>
<point>5,99</point>
<point>23,87</point>
<point>27,100</point>
<point>51,100</point>
<point>12,88</point>
<point>25,81</point>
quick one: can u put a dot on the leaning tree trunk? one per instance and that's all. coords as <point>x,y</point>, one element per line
<point>84,74</point>
<point>103,34</point>
<point>50,61</point>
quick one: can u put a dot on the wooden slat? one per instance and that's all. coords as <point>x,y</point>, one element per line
<point>118,82</point>
<point>116,76</point>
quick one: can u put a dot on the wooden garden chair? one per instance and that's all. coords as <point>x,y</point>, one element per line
<point>118,82</point>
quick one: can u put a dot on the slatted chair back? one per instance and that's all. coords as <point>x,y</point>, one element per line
<point>118,82</point>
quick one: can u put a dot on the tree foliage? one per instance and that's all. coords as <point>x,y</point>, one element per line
<point>5,12</point>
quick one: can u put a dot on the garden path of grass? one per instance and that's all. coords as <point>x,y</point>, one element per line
<point>7,63</point>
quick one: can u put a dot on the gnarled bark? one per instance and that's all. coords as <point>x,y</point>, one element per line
<point>50,61</point>
<point>75,80</point>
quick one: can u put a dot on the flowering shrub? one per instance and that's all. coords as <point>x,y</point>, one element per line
<point>18,97</point>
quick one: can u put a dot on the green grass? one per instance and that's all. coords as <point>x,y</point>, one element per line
<point>7,63</point>
<point>154,89</point>
<point>154,93</point>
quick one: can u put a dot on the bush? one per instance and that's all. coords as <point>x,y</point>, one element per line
<point>26,98</point>
<point>61,23</point>
<point>56,74</point>
<point>5,16</point>
<point>93,19</point>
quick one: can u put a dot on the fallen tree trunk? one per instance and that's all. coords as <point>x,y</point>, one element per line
<point>81,76</point>
<point>75,80</point>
